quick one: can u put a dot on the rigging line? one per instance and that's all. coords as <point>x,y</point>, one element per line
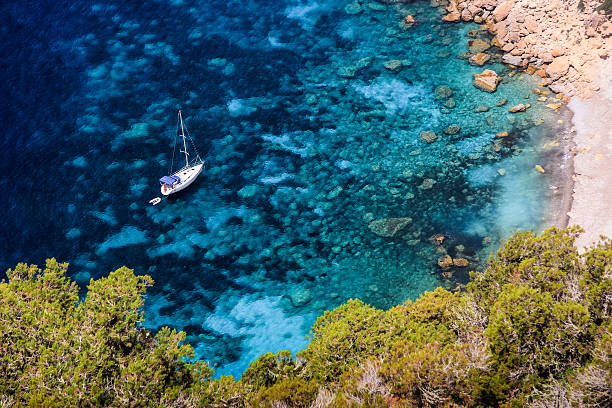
<point>192,143</point>
<point>174,147</point>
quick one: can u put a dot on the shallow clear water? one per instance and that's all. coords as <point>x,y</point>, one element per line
<point>307,138</point>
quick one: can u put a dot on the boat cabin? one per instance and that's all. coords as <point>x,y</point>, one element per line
<point>168,182</point>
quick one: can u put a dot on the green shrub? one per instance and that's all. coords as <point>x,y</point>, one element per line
<point>532,329</point>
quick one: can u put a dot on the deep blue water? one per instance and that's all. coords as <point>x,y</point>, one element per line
<point>300,157</point>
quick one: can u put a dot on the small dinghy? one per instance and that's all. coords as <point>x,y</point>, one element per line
<point>155,201</point>
<point>181,179</point>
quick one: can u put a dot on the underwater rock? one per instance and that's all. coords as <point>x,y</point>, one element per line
<point>477,46</point>
<point>311,99</point>
<point>540,168</point>
<point>445,261</point>
<point>300,297</point>
<point>461,262</point>
<point>353,8</point>
<point>517,108</point>
<point>393,65</point>
<point>438,239</point>
<point>409,20</point>
<point>502,102</point>
<point>347,72</point>
<point>388,227</point>
<point>481,108</point>
<point>443,92</point>
<point>428,136</point>
<point>247,191</point>
<point>334,193</point>
<point>450,103</point>
<point>486,81</point>
<point>376,6</point>
<point>428,184</point>
<point>501,172</point>
<point>363,63</point>
<point>502,134</point>
<point>479,59</point>
<point>453,130</point>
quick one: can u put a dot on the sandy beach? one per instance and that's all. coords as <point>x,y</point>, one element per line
<point>568,44</point>
<point>591,207</point>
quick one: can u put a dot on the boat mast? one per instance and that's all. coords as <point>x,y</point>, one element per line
<point>184,143</point>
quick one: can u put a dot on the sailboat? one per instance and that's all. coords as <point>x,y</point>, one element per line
<point>181,179</point>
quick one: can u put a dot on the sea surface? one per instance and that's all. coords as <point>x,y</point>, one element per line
<point>308,115</point>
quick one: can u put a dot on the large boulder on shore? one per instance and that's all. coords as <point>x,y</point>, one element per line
<point>388,227</point>
<point>502,10</point>
<point>558,67</point>
<point>486,81</point>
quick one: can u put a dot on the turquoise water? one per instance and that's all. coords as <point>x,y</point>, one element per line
<point>307,136</point>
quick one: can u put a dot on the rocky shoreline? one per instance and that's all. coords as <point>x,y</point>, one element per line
<point>563,42</point>
<point>567,44</point>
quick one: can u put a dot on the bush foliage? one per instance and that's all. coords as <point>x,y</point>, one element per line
<point>533,329</point>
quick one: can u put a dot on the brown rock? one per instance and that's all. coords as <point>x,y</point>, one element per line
<point>428,184</point>
<point>474,9</point>
<point>409,20</point>
<point>477,45</point>
<point>428,136</point>
<point>452,17</point>
<point>502,10</point>
<point>517,108</point>
<point>502,134</point>
<point>388,227</point>
<point>453,130</point>
<point>486,81</point>
<point>461,262</point>
<point>479,59</point>
<point>541,73</point>
<point>445,262</point>
<point>558,67</point>
<point>557,52</point>
<point>531,24</point>
<point>438,239</point>
<point>466,15</point>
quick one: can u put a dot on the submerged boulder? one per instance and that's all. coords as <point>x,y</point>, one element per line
<point>300,297</point>
<point>428,136</point>
<point>461,262</point>
<point>393,65</point>
<point>479,59</point>
<point>517,108</point>
<point>477,45</point>
<point>443,92</point>
<point>486,81</point>
<point>445,262</point>
<point>388,227</point>
<point>453,130</point>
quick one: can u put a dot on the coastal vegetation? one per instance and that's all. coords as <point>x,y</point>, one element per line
<point>532,329</point>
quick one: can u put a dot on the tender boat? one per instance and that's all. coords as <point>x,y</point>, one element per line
<point>182,178</point>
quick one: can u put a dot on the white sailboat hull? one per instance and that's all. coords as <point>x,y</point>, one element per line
<point>187,174</point>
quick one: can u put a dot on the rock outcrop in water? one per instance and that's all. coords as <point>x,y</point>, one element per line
<point>388,227</point>
<point>487,80</point>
